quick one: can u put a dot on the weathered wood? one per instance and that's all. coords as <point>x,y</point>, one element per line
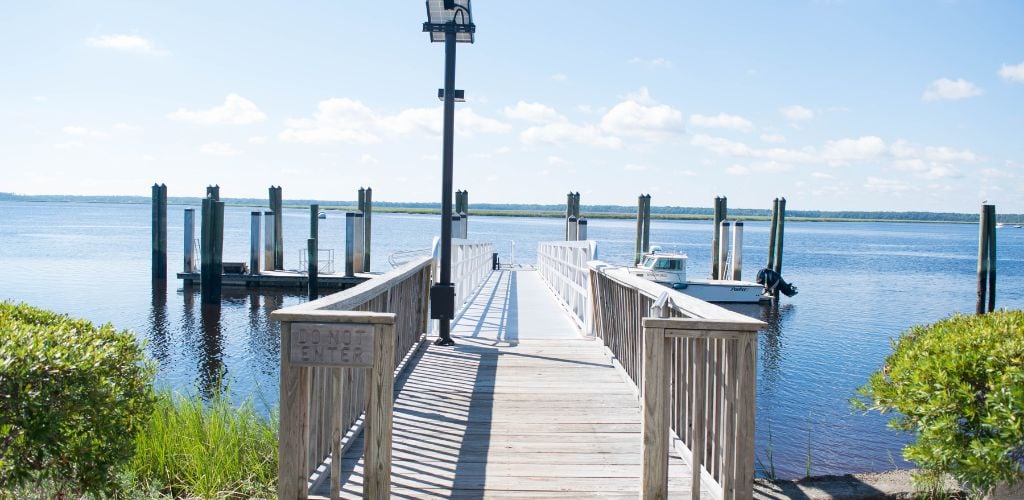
<point>268,240</point>
<point>638,253</point>
<point>716,221</point>
<point>213,192</point>
<point>293,434</point>
<point>159,232</point>
<point>983,260</point>
<point>646,243</point>
<point>654,482</point>
<point>276,206</point>
<point>779,240</point>
<point>772,232</point>
<point>368,229</point>
<point>254,242</point>
<point>378,430</point>
<point>991,258</point>
<point>212,246</point>
<point>698,419</point>
<point>189,261</point>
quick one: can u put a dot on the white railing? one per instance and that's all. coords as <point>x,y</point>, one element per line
<point>471,265</point>
<point>563,266</point>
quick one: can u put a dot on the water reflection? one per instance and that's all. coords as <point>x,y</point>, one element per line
<point>770,339</point>
<point>212,374</point>
<point>158,325</point>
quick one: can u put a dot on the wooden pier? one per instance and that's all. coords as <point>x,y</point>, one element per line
<point>540,396</point>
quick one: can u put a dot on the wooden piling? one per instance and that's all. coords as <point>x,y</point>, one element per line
<point>268,240</point>
<point>367,226</point>
<point>717,219</point>
<point>189,264</point>
<point>581,229</point>
<point>573,228</point>
<point>350,243</point>
<point>992,258</point>
<point>359,231</point>
<point>737,251</point>
<point>780,230</point>
<point>314,221</point>
<point>576,205</point>
<point>212,248</point>
<point>772,231</point>
<point>568,213</point>
<point>646,243</point>
<point>639,229</point>
<point>986,260</point>
<point>159,230</point>
<point>312,269</point>
<point>276,202</point>
<point>723,250</point>
<point>254,242</point>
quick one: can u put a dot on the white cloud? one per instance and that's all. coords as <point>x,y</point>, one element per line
<point>905,149</point>
<point>796,113</point>
<point>128,43</point>
<point>85,132</point>
<point>888,186</point>
<point>737,170</point>
<point>560,133</point>
<point>843,151</point>
<point>236,110</point>
<point>534,112</point>
<point>738,149</point>
<point>559,77</point>
<point>721,120</point>
<point>585,108</point>
<point>995,173</point>
<point>341,119</point>
<point>773,138</point>
<point>368,159</point>
<point>951,90</point>
<point>257,139</point>
<point>1013,73</point>
<point>822,175</point>
<point>941,172</point>
<point>219,149</point>
<point>657,62</point>
<point>639,116</point>
<point>632,167</point>
<point>69,145</point>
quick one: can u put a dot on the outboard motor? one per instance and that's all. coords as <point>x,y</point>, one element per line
<point>773,281</point>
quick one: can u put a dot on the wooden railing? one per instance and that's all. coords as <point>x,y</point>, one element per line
<point>563,265</point>
<point>320,403</point>
<point>694,364</point>
<point>471,265</point>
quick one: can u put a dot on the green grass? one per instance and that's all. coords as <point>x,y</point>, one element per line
<point>211,449</point>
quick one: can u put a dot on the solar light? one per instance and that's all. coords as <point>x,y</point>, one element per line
<point>451,22</point>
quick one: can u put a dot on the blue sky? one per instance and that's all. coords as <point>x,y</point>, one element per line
<point>838,105</point>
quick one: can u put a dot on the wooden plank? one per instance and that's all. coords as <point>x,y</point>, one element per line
<point>654,481</point>
<point>293,433</point>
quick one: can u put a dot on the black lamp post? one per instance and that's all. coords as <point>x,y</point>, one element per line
<point>451,22</point>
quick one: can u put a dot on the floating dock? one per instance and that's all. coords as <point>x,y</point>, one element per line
<point>281,279</point>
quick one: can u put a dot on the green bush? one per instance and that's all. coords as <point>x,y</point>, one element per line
<point>958,388</point>
<point>208,450</point>
<point>73,397</point>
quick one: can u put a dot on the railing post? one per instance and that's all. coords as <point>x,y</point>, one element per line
<point>379,415</point>
<point>655,423</point>
<point>293,434</point>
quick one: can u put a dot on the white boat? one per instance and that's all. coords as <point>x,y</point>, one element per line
<point>669,269</point>
<point>321,215</point>
<point>1000,225</point>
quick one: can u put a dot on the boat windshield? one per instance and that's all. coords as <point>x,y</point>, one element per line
<point>668,264</point>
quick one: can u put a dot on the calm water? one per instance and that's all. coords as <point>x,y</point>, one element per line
<point>860,284</point>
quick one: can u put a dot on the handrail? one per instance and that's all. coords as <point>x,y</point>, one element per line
<point>695,367</point>
<point>319,403</point>
<point>471,265</point>
<point>563,266</point>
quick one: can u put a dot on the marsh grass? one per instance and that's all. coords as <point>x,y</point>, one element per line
<point>207,449</point>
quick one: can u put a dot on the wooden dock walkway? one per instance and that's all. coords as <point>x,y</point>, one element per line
<point>522,406</point>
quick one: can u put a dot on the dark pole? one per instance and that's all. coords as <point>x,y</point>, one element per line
<point>991,258</point>
<point>983,262</point>
<point>444,324</point>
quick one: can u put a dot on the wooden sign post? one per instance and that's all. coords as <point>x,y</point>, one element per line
<point>336,340</point>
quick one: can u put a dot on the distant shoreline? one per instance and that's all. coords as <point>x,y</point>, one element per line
<point>552,211</point>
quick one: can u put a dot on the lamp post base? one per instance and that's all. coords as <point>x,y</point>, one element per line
<point>442,341</point>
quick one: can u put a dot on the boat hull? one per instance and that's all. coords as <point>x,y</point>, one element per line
<point>726,291</point>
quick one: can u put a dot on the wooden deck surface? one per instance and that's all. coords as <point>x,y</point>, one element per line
<point>522,406</point>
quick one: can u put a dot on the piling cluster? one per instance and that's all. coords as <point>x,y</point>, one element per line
<point>575,224</point>
<point>775,237</point>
